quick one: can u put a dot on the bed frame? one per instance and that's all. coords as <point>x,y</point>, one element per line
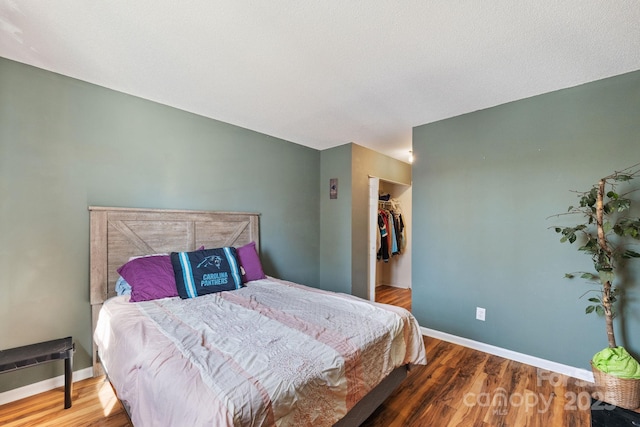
<point>117,234</point>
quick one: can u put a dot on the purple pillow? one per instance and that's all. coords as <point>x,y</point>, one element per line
<point>150,277</point>
<point>250,262</point>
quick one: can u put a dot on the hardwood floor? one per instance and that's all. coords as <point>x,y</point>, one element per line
<point>94,404</point>
<point>458,387</point>
<point>396,296</point>
<point>465,387</point>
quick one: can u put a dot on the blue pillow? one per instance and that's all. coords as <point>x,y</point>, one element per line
<point>122,287</point>
<point>206,271</point>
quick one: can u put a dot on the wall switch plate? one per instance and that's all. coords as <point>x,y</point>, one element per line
<point>480,313</point>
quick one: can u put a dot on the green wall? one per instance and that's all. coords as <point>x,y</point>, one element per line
<point>66,144</point>
<point>335,220</point>
<point>484,186</point>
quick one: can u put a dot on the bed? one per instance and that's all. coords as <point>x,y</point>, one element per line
<point>267,353</point>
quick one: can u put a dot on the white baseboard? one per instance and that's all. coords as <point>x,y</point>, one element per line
<point>571,371</point>
<point>42,386</point>
<point>395,285</point>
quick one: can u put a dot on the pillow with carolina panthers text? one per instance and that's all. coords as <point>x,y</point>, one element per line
<point>206,271</point>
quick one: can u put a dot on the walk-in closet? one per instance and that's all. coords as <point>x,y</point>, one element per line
<point>389,240</point>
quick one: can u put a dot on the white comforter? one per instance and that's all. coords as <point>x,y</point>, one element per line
<point>272,353</point>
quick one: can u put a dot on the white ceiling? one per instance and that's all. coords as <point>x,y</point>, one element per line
<point>324,73</point>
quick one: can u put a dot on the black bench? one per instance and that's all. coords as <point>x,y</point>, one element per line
<point>36,354</point>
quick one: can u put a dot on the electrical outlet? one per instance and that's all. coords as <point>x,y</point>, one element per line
<point>480,313</point>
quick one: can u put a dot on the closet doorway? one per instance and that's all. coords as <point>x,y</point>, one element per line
<point>389,282</point>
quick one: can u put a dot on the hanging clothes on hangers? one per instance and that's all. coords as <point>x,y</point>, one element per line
<point>391,225</point>
<point>383,250</point>
<point>393,234</point>
<point>398,223</point>
<point>402,240</point>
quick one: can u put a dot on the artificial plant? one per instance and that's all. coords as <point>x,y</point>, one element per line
<point>607,232</point>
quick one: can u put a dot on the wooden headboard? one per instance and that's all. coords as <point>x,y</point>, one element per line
<point>117,234</point>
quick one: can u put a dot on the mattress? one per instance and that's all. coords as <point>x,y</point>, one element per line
<point>273,353</point>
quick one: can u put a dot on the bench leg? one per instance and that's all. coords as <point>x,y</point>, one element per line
<point>68,381</point>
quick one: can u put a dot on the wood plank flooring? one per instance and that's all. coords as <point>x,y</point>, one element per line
<point>396,296</point>
<point>459,387</point>
<point>94,404</point>
<point>465,387</point>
